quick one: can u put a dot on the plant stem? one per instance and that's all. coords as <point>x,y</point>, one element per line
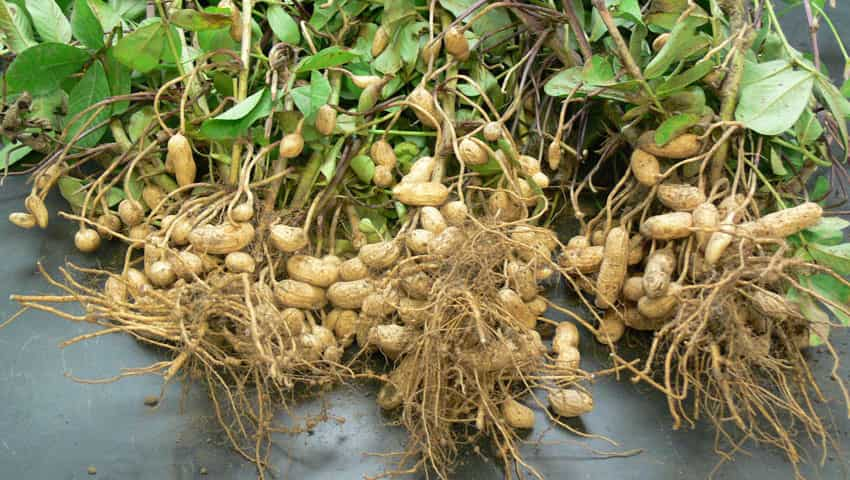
<point>306,180</point>
<point>242,87</point>
<point>178,60</point>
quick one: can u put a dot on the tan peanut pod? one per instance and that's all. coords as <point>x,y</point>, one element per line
<point>115,290</point>
<point>635,249</point>
<point>656,274</point>
<point>139,233</point>
<point>585,260</point>
<point>528,164</point>
<point>243,212</point>
<point>361,330</point>
<point>391,396</point>
<point>312,270</point>
<point>668,226</point>
<point>291,145</point>
<point>612,270</point>
<point>633,289</point>
<point>730,203</point>
<point>382,153</point>
<point>431,50</point>
<point>22,220</point>
<point>425,194</point>
<point>611,327</point>
<point>420,171</point>
<point>785,222</point>
<point>417,285</point>
<point>380,40</point>
<point>537,305</point>
<point>517,309</point>
<point>152,195</point>
<point>661,307</point>
<point>180,157</point>
<point>326,119</point>
<point>87,240</point>
<point>353,269</point>
<point>221,239</point>
<point>503,207</point>
<point>660,41</point>
<point>492,131</point>
<point>413,312</point>
<point>527,194</point>
<point>680,197</point>
<point>471,153</point>
<point>391,339</point>
<point>287,239</point>
<point>566,335</point>
<point>383,176</point>
<point>131,212</point>
<point>432,220</point>
<point>637,321</point>
<point>541,179</point>
<point>380,255</point>
<point>137,281</point>
<point>448,242</point>
<point>578,241</point>
<point>187,265</point>
<point>597,238</point>
<point>292,293</point>
<point>35,206</point>
<point>344,325</point>
<point>706,219</point>
<point>325,335</point>
<point>456,43</point>
<point>772,305</point>
<point>161,273</point>
<point>521,278</point>
<point>533,245</point>
<point>379,304</point>
<point>455,213</point>
<point>426,111</point>
<point>235,29</point>
<point>240,262</point>
<point>417,241</point>
<point>645,167</point>
<point>568,359</point>
<point>350,295</point>
<point>50,175</point>
<point>554,155</point>
<point>720,240</point>
<point>106,223</point>
<point>293,321</point>
<point>684,146</point>
<point>569,402</point>
<point>517,415</point>
<point>181,231</point>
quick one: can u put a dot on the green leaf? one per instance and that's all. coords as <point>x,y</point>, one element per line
<point>91,89</point>
<point>310,98</point>
<point>12,153</point>
<point>284,27</point>
<point>833,290</point>
<point>86,26</point>
<point>689,76</point>
<point>119,80</point>
<point>565,81</point>
<point>598,71</point>
<point>772,104</point>
<point>495,20</point>
<point>128,10</point>
<point>143,49</point>
<point>821,188</point>
<point>630,10</point>
<point>49,21</point>
<point>329,57</point>
<point>238,119</point>
<point>682,42</point>
<point>42,68</point>
<point>74,191</point>
<point>813,313</point>
<point>673,126</point>
<point>15,34</point>
<point>107,17</point>
<point>139,122</point>
<point>836,257</point>
<point>363,167</point>
<point>829,231</point>
<point>196,21</point>
<point>808,128</point>
<point>838,106</point>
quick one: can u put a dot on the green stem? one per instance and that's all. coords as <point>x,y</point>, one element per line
<point>171,46</point>
<point>308,178</point>
<point>817,161</point>
<point>406,133</point>
<point>242,87</point>
<point>120,135</point>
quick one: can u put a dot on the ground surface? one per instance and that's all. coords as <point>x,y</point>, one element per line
<point>52,427</point>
